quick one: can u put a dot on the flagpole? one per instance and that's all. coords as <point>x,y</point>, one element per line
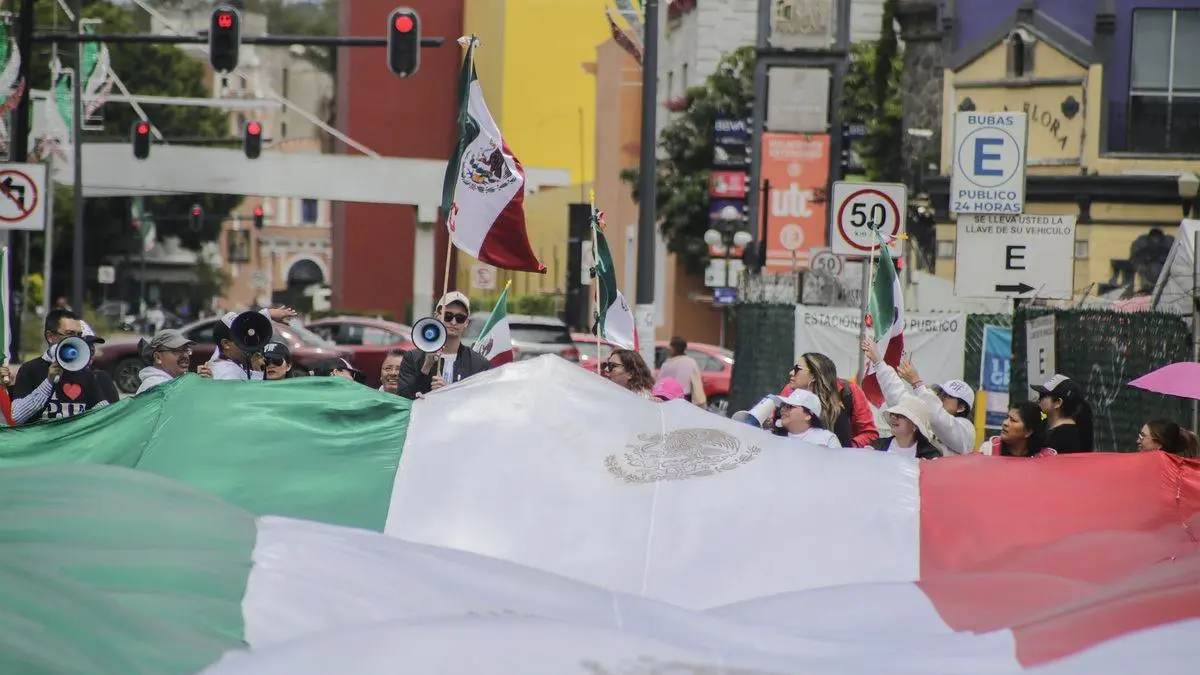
<point>595,281</point>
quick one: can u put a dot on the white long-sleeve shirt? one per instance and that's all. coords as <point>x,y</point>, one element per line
<point>952,433</point>
<point>224,369</point>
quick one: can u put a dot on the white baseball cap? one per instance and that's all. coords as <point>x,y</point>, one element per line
<point>454,296</point>
<point>800,398</point>
<point>959,390</point>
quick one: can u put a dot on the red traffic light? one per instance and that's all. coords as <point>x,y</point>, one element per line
<point>195,210</point>
<point>143,128</point>
<point>404,23</point>
<point>258,211</point>
<point>225,20</point>
<point>254,128</point>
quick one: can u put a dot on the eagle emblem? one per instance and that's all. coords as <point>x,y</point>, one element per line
<point>486,348</point>
<point>679,455</point>
<point>487,171</point>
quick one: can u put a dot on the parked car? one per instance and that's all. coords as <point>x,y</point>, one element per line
<point>716,365</point>
<point>120,358</point>
<point>531,335</point>
<point>369,339</point>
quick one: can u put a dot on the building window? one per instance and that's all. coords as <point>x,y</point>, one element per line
<point>308,211</point>
<point>1020,53</point>
<point>1164,83</point>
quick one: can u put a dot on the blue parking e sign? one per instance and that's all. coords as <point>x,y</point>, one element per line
<point>989,163</point>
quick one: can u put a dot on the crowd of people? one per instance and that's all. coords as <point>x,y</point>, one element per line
<point>925,421</point>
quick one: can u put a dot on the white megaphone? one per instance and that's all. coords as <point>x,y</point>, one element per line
<point>759,414</point>
<point>429,335</point>
<point>73,354</point>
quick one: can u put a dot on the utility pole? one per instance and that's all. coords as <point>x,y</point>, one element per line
<point>77,299</point>
<point>18,144</point>
<point>648,188</point>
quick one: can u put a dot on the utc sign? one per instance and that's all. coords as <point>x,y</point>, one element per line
<point>989,163</point>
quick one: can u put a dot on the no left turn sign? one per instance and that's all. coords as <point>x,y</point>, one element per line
<point>859,209</point>
<point>21,190</point>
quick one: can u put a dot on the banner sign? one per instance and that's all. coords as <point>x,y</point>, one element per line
<point>995,366</point>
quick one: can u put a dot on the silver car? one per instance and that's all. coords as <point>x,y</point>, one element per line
<point>532,336</point>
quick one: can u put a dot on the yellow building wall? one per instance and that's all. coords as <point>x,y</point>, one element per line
<point>485,18</point>
<point>1060,145</point>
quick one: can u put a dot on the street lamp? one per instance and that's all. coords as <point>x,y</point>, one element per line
<point>1189,186</point>
<point>729,236</point>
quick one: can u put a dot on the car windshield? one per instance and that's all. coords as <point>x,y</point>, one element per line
<point>540,334</point>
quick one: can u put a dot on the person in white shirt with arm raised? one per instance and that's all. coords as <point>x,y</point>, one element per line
<point>950,401</point>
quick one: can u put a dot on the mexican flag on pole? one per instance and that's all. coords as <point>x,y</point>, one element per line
<point>885,320</point>
<point>495,340</point>
<point>483,193</point>
<point>143,223</point>
<point>614,318</point>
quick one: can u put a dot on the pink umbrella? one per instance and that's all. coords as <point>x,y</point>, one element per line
<point>1178,379</point>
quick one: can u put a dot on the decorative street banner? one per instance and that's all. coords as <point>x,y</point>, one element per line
<point>994,372</point>
<point>931,341</point>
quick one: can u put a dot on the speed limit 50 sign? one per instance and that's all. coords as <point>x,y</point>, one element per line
<point>859,209</point>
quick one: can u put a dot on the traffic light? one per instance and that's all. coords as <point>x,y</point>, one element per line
<point>258,217</point>
<point>141,140</point>
<point>196,218</point>
<point>252,140</point>
<point>224,39</point>
<point>404,42</point>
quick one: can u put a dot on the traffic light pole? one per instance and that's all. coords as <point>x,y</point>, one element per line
<point>202,39</point>
<point>77,299</point>
<point>647,190</point>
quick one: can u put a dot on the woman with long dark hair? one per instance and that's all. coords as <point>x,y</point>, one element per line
<point>1023,434</point>
<point>1165,435</point>
<point>844,407</point>
<point>1068,415</point>
<point>627,368</point>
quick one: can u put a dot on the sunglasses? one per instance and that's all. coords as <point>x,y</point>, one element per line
<point>609,367</point>
<point>454,317</point>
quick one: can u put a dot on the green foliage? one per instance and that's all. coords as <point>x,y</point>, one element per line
<point>532,304</point>
<point>873,95</point>
<point>687,142</point>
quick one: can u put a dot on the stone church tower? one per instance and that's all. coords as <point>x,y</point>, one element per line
<point>925,32</point>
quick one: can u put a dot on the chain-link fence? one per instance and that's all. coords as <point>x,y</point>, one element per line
<point>1103,351</point>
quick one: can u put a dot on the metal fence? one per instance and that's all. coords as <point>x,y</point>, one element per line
<point>1103,351</point>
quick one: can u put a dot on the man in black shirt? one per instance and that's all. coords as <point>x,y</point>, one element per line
<point>421,373</point>
<point>44,391</point>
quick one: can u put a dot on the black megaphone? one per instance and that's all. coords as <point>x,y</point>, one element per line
<point>429,335</point>
<point>73,354</point>
<point>251,332</point>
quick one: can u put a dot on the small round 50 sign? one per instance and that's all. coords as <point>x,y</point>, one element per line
<point>861,209</point>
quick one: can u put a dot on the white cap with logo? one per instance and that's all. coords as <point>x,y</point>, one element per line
<point>959,390</point>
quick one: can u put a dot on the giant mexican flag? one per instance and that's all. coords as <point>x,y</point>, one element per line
<point>708,544</point>
<point>483,194</point>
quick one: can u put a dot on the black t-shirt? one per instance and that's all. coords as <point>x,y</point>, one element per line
<point>74,394</point>
<point>1065,439</point>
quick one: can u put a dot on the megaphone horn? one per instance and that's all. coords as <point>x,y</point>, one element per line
<point>73,354</point>
<point>251,332</point>
<point>759,414</point>
<point>429,335</point>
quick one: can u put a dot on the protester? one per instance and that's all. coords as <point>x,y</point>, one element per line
<point>1165,435</point>
<point>845,410</point>
<point>170,355</point>
<point>626,368</point>
<point>800,416</point>
<point>231,363</point>
<point>279,363</point>
<point>339,367</point>
<point>44,391</point>
<point>5,399</point>
<point>1023,434</point>
<point>1068,415</point>
<point>910,422</point>
<point>684,370</point>
<point>667,389</point>
<point>950,402</point>
<point>421,373</point>
<point>389,372</point>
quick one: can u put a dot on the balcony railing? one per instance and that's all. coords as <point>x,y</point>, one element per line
<point>1155,125</point>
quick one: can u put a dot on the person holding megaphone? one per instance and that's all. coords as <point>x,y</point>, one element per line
<point>241,339</point>
<point>60,383</point>
<point>440,357</point>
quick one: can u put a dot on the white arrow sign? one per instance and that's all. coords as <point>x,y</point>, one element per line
<point>1015,257</point>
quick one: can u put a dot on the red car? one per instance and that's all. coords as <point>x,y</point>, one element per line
<point>369,339</point>
<point>120,358</point>
<point>716,365</point>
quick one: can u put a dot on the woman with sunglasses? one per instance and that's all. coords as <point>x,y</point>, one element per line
<point>421,373</point>
<point>626,368</point>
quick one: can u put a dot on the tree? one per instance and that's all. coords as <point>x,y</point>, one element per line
<point>687,141</point>
<point>108,230</point>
